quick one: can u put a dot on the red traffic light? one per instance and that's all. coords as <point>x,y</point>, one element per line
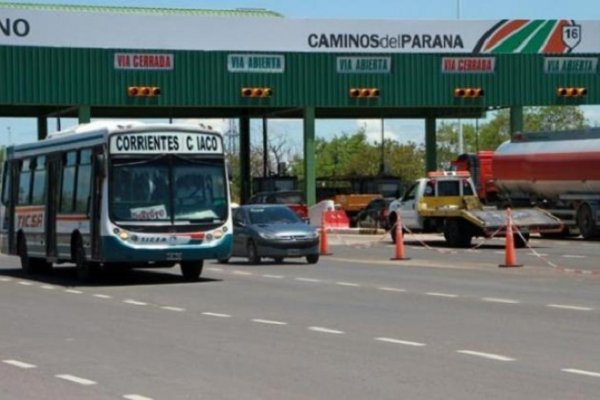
<point>469,92</point>
<point>256,92</point>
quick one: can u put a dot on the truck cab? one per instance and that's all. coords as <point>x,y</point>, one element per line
<point>434,204</point>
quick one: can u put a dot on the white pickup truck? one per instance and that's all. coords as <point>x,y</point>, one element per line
<point>446,202</point>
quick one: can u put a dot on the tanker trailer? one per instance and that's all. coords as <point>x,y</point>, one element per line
<point>557,171</point>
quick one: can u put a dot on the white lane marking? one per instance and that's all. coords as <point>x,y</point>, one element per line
<point>573,256</point>
<point>135,302</point>
<point>75,379</point>
<point>212,314</point>
<point>398,341</point>
<point>5,279</point>
<point>236,272</point>
<point>499,300</point>
<point>441,294</point>
<point>19,364</point>
<point>73,291</point>
<point>308,280</point>
<point>347,284</point>
<point>326,330</point>
<point>273,276</point>
<point>215,269</point>
<point>391,289</point>
<point>268,322</point>
<point>102,296</point>
<point>490,356</point>
<point>169,308</point>
<point>499,252</point>
<point>582,372</point>
<point>25,283</point>
<point>136,397</point>
<point>568,307</point>
<point>48,287</point>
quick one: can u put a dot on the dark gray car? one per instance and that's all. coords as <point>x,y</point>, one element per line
<point>273,231</point>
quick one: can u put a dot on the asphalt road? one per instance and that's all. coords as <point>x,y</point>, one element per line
<point>447,324</point>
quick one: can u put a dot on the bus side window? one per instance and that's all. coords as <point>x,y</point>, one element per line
<point>39,181</point>
<point>24,183</point>
<point>84,179</point>
<point>68,182</point>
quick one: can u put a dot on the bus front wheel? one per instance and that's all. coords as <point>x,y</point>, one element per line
<point>191,270</point>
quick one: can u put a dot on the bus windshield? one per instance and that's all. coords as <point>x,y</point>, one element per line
<point>168,189</point>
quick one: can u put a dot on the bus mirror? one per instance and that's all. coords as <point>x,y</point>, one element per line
<point>100,165</point>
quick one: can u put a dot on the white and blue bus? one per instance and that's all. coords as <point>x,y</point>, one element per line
<point>120,194</point>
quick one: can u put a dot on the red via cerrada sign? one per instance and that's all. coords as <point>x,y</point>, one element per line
<point>144,61</point>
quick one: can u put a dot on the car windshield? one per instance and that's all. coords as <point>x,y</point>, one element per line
<point>272,215</point>
<point>168,189</point>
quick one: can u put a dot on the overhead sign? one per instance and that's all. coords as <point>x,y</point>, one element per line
<point>173,31</point>
<point>144,61</point>
<point>364,65</point>
<point>570,65</point>
<point>166,142</point>
<point>257,63</point>
<point>468,64</point>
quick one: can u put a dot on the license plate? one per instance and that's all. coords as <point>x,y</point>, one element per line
<point>173,256</point>
<point>293,252</point>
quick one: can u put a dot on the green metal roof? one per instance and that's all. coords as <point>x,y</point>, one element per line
<point>238,12</point>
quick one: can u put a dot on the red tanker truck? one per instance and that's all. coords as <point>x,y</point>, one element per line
<point>556,171</point>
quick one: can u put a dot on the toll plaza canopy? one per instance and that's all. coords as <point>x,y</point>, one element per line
<point>87,62</point>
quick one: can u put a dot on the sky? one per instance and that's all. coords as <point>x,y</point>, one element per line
<point>19,130</point>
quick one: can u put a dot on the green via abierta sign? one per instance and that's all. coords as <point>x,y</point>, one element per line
<point>364,65</point>
<point>570,65</point>
<point>256,63</point>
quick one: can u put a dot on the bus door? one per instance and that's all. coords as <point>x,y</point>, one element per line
<point>54,172</point>
<point>7,217</point>
<point>95,208</point>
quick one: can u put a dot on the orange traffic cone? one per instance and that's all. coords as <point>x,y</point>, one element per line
<point>324,242</point>
<point>399,240</point>
<point>510,258</point>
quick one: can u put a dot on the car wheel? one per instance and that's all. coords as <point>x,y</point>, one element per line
<point>312,258</point>
<point>191,270</point>
<point>278,260</point>
<point>253,257</point>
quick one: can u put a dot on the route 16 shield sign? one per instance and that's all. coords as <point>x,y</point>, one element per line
<point>571,35</point>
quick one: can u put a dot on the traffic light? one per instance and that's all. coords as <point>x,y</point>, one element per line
<point>469,92</point>
<point>256,92</point>
<point>364,92</point>
<point>571,92</point>
<point>143,91</point>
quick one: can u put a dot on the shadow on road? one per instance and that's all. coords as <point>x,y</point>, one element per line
<point>66,276</point>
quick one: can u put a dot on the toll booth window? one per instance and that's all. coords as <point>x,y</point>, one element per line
<point>39,181</point>
<point>68,182</point>
<point>84,178</point>
<point>467,188</point>
<point>448,188</point>
<point>24,183</point>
